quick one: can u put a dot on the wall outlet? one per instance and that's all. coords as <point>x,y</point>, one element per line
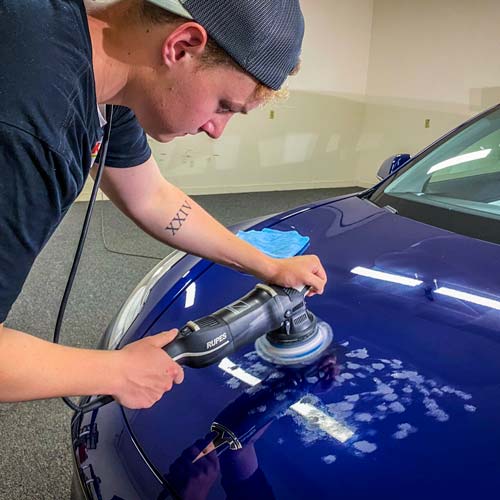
<point>427,123</point>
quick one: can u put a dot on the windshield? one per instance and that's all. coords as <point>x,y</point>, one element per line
<point>455,185</point>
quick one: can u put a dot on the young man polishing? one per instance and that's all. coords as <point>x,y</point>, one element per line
<point>169,68</point>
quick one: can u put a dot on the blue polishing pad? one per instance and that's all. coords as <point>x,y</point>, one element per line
<point>278,244</point>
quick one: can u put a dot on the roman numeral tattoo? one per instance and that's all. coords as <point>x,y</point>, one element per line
<point>179,219</point>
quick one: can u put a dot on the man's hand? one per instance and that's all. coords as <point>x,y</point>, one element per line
<point>146,372</point>
<point>298,271</point>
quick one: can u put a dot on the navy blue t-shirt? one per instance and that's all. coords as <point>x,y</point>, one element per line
<point>49,128</point>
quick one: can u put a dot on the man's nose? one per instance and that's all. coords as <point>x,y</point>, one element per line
<point>215,127</point>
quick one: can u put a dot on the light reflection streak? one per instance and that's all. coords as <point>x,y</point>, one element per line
<point>235,371</point>
<point>457,160</point>
<point>190,295</point>
<point>326,423</point>
<point>468,297</point>
<point>379,275</point>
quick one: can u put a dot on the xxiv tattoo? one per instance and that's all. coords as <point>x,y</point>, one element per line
<point>179,219</point>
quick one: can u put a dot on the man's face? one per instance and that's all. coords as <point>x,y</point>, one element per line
<point>196,99</point>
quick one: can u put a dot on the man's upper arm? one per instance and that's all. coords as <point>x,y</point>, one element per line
<point>128,144</point>
<point>131,174</point>
<point>131,189</point>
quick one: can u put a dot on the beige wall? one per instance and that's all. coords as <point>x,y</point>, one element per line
<point>429,60</point>
<point>336,49</point>
<point>311,142</point>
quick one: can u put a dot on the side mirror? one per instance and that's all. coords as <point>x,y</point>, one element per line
<point>392,164</point>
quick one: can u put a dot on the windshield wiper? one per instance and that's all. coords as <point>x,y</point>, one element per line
<point>367,193</point>
<point>390,209</point>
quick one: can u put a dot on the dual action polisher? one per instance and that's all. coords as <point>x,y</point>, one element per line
<point>275,318</point>
<point>285,332</point>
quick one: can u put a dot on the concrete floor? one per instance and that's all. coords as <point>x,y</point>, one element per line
<point>35,462</point>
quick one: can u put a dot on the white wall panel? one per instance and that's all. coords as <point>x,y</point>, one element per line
<point>429,60</point>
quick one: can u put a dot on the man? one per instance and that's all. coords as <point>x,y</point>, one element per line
<point>60,61</point>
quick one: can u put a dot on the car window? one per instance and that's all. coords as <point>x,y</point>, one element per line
<point>462,174</point>
<point>481,157</point>
<point>454,184</point>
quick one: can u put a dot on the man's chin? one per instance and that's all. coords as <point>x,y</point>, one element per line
<point>164,138</point>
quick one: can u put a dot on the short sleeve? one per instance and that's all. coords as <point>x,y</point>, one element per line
<point>128,145</point>
<point>31,206</point>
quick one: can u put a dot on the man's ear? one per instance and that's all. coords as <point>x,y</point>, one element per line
<point>187,40</point>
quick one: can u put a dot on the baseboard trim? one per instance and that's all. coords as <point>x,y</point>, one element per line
<point>242,188</point>
<point>261,188</point>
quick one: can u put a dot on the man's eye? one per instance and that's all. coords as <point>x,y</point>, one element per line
<point>224,109</point>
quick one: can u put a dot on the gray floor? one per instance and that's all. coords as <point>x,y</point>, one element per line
<point>35,461</point>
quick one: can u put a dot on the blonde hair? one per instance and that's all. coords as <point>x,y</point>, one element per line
<point>214,54</point>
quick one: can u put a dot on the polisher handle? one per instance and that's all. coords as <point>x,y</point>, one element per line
<point>208,340</point>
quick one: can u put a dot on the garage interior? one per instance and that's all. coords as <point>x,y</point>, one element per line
<point>378,77</point>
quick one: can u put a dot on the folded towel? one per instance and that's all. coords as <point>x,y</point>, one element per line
<point>278,244</point>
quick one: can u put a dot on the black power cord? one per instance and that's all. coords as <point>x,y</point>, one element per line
<point>110,250</point>
<point>79,250</point>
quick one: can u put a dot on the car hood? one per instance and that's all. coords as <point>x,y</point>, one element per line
<point>405,401</point>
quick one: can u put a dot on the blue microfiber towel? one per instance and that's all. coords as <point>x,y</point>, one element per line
<point>278,244</point>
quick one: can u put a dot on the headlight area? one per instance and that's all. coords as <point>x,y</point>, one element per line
<point>106,461</point>
<point>135,302</point>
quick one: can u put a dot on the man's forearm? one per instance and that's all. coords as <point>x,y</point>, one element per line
<point>31,368</point>
<point>174,218</point>
<point>169,215</point>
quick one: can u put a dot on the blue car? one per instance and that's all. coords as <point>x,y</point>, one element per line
<point>404,400</point>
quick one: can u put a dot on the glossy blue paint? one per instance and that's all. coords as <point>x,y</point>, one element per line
<point>105,455</point>
<point>417,373</point>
